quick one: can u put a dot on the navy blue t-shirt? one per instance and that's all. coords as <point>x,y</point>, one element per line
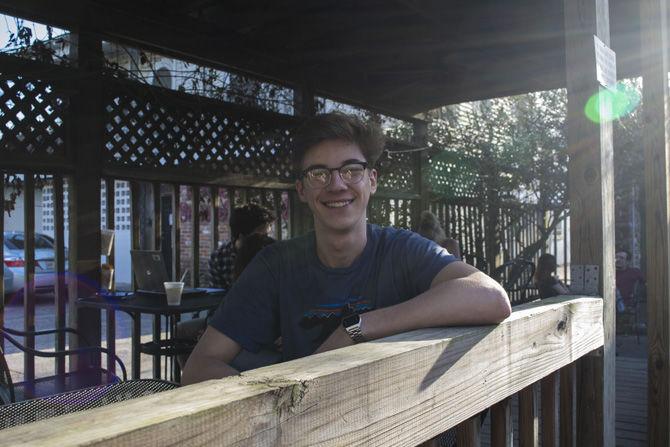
<point>286,291</point>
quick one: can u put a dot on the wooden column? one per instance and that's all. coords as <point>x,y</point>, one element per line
<point>2,255</point>
<point>591,198</point>
<point>468,433</point>
<point>195,235</point>
<point>653,15</point>
<point>528,417</point>
<point>60,291</point>
<point>29,273</point>
<point>111,224</point>
<point>568,412</point>
<point>502,432</point>
<point>420,138</point>
<point>549,398</point>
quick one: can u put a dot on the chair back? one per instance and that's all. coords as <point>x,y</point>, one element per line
<point>516,277</point>
<point>6,384</point>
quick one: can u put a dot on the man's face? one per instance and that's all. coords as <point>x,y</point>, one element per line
<point>337,207</point>
<point>621,260</point>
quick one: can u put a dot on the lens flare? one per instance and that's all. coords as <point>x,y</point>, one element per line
<point>622,101</point>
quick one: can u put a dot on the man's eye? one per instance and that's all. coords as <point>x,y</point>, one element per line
<point>319,175</point>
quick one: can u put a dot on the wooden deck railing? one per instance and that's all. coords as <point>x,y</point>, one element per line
<point>398,391</point>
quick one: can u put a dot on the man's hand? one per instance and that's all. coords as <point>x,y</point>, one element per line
<point>338,339</point>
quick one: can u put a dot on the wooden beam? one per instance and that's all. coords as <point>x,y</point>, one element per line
<point>549,398</point>
<point>656,138</point>
<point>468,433</point>
<point>60,291</point>
<point>528,417</point>
<point>591,198</point>
<point>29,273</point>
<point>401,390</point>
<point>87,143</point>
<point>568,410</point>
<point>110,214</point>
<point>502,432</point>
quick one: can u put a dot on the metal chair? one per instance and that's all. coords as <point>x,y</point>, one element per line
<point>90,376</point>
<point>516,277</point>
<point>6,384</point>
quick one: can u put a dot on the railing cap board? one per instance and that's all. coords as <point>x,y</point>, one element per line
<point>401,390</point>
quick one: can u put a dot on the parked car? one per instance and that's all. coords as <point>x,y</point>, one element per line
<point>14,262</point>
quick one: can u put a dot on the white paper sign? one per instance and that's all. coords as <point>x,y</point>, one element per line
<point>605,64</point>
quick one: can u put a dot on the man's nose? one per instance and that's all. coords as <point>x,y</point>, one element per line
<point>336,182</point>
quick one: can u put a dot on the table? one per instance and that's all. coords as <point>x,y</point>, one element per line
<point>59,404</point>
<point>135,305</point>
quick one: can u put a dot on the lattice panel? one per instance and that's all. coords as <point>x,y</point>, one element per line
<point>391,212</point>
<point>397,171</point>
<point>32,118</point>
<point>152,133</point>
<point>451,177</point>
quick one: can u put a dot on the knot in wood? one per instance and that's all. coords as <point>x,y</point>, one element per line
<point>562,325</point>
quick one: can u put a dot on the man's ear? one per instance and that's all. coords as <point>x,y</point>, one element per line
<point>373,181</point>
<point>300,189</point>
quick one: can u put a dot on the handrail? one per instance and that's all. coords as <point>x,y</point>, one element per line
<point>401,390</point>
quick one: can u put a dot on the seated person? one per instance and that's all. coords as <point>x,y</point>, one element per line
<point>430,228</point>
<point>347,281</point>
<point>545,281</point>
<point>193,329</point>
<point>244,221</point>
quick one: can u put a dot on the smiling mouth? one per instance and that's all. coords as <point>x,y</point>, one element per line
<point>338,204</point>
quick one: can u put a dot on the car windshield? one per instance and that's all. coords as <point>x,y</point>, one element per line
<point>16,241</point>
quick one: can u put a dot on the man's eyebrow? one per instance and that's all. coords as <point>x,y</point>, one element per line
<point>344,163</point>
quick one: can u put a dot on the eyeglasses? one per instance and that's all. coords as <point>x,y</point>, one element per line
<point>320,177</point>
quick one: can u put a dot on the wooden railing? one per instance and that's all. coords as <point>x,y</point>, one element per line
<point>398,391</point>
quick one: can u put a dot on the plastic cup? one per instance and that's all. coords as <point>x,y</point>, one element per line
<point>173,292</point>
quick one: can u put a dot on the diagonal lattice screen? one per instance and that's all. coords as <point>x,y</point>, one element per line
<point>32,117</point>
<point>171,131</point>
<point>146,132</point>
<point>397,172</point>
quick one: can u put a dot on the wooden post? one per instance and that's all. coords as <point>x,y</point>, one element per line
<point>468,433</point>
<point>591,198</point>
<point>502,433</point>
<point>87,129</point>
<point>528,417</point>
<point>111,316</point>
<point>653,16</point>
<point>2,256</point>
<point>568,412</point>
<point>420,138</point>
<point>549,394</point>
<point>195,235</point>
<point>29,273</point>
<point>60,295</point>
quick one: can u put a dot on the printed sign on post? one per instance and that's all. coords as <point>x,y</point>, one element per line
<point>605,64</point>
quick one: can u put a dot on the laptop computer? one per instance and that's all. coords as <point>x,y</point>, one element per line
<point>150,274</point>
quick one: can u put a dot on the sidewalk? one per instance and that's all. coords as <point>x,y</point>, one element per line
<point>46,366</point>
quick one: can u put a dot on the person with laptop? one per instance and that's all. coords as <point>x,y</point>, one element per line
<point>347,281</point>
<point>244,220</point>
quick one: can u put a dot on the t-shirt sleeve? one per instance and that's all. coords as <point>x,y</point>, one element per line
<point>423,260</point>
<point>250,313</point>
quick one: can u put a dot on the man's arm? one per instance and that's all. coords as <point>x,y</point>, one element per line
<point>459,295</point>
<point>211,358</point>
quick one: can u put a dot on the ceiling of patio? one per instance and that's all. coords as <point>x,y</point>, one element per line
<point>399,56</point>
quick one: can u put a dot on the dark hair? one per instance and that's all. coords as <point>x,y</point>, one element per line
<point>546,264</point>
<point>251,245</point>
<point>430,228</point>
<point>337,126</point>
<point>623,250</point>
<point>245,219</point>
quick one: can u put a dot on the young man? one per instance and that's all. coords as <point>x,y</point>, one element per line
<point>348,281</point>
<point>626,277</point>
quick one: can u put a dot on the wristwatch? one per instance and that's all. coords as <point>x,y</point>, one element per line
<point>352,324</point>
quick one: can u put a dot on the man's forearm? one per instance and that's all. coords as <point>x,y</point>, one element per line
<point>471,300</point>
<point>201,369</point>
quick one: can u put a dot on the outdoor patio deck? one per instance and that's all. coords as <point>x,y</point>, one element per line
<point>631,397</point>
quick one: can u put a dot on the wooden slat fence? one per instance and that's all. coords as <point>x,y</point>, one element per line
<point>398,391</point>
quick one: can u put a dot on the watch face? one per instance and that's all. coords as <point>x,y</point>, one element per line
<point>351,320</point>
